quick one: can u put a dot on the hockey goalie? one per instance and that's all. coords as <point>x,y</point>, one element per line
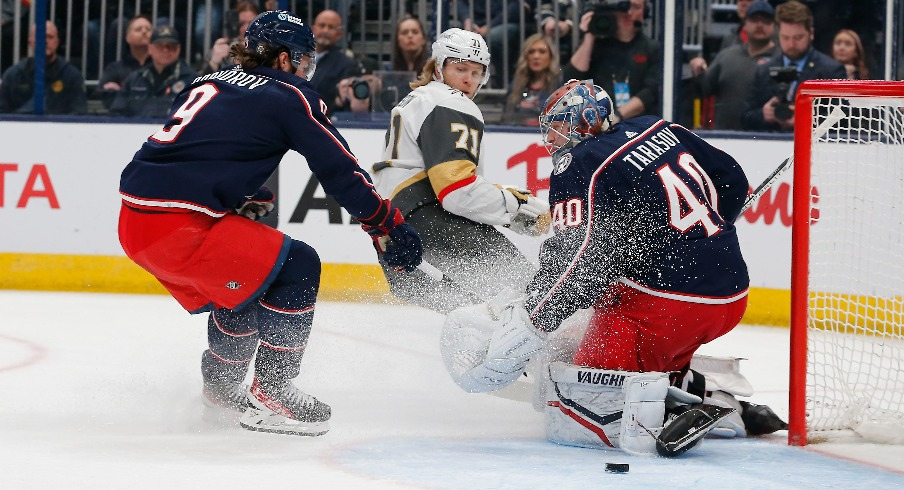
<point>643,214</point>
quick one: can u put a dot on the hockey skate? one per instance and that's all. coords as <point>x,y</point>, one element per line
<point>225,395</point>
<point>224,385</point>
<point>760,419</point>
<point>281,408</point>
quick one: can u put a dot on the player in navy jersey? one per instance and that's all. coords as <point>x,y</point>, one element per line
<point>643,215</point>
<point>187,196</point>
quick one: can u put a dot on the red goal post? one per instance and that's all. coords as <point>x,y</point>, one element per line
<point>847,263</point>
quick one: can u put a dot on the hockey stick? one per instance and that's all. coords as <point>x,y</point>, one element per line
<point>439,276</point>
<point>836,115</point>
<point>434,273</point>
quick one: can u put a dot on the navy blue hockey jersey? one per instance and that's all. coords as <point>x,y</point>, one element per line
<point>228,131</point>
<point>650,205</point>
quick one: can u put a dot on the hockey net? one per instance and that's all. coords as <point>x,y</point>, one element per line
<point>847,285</point>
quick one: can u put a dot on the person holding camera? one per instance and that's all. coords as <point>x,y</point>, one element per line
<point>237,20</point>
<point>353,94</point>
<point>770,103</point>
<point>618,56</point>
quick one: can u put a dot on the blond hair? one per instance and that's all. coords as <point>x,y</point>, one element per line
<point>426,76</point>
<point>523,76</point>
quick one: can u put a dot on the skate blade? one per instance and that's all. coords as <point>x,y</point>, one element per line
<point>687,429</point>
<point>258,421</point>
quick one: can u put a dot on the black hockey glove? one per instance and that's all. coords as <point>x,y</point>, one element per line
<point>396,241</point>
<point>257,205</point>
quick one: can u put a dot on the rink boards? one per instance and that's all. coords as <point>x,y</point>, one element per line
<point>59,207</point>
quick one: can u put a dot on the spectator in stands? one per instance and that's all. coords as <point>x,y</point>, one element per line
<point>729,77</point>
<point>355,93</point>
<point>150,90</point>
<point>64,85</point>
<point>244,12</point>
<point>737,34</point>
<point>626,65</point>
<point>770,103</point>
<point>554,16</point>
<point>555,21</point>
<point>501,26</point>
<point>865,17</point>
<point>112,19</point>
<point>201,14</point>
<point>848,50</point>
<point>138,37</point>
<point>409,45</point>
<point>536,77</point>
<point>332,62</point>
<point>8,20</point>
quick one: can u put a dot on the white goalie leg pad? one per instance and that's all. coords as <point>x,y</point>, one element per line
<point>600,408</point>
<point>722,374</point>
<point>724,380</point>
<point>644,412</point>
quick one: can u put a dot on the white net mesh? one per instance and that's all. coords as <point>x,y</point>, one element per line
<point>855,360</point>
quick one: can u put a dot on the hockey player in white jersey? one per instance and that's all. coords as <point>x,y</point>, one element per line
<point>431,169</point>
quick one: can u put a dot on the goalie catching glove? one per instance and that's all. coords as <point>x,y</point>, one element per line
<point>258,205</point>
<point>395,241</point>
<point>486,347</point>
<point>530,215</point>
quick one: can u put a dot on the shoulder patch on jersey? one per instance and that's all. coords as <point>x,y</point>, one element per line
<point>630,134</point>
<point>562,164</point>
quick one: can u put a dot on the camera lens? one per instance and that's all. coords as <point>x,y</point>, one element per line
<point>360,89</point>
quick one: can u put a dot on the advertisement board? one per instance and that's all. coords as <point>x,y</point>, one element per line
<point>59,204</point>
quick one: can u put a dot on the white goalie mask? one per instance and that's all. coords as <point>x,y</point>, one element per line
<point>459,44</point>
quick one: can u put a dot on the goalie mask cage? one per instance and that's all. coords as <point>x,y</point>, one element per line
<point>847,265</point>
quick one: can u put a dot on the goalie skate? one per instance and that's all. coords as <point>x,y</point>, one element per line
<point>760,419</point>
<point>281,408</point>
<point>686,429</point>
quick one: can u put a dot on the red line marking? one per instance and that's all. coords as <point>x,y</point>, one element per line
<point>37,353</point>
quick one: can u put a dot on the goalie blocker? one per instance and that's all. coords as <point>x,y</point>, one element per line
<point>604,409</point>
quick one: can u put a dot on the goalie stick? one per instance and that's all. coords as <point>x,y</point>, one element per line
<point>819,132</point>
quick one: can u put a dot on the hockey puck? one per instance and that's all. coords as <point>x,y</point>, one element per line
<point>617,467</point>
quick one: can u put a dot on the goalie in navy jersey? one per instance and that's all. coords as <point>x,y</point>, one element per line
<point>188,195</point>
<point>643,215</point>
<point>432,171</point>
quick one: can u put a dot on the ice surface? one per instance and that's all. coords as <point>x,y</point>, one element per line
<point>103,391</point>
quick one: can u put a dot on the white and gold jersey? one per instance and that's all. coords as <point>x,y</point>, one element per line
<point>432,154</point>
